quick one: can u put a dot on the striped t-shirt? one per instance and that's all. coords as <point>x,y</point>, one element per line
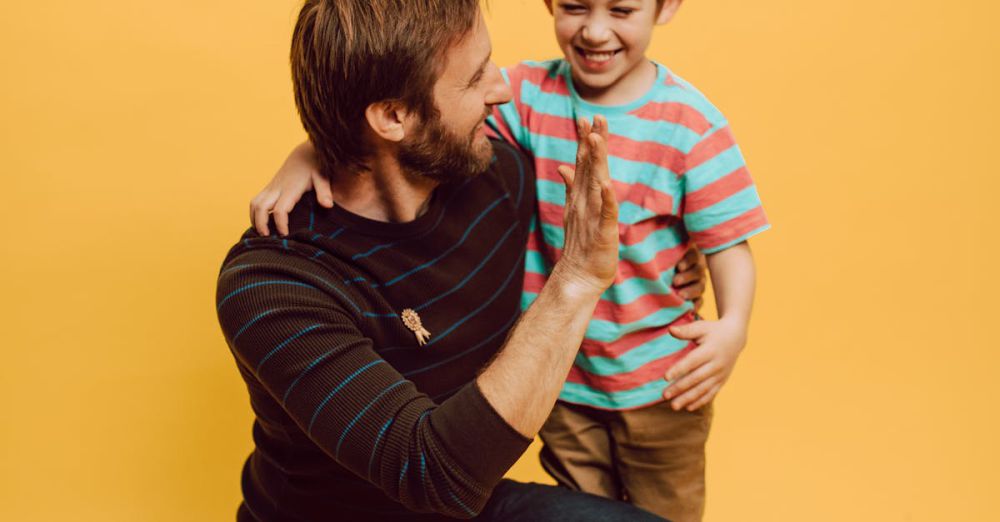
<point>679,178</point>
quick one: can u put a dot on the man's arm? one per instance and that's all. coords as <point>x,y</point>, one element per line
<point>369,418</point>
<point>524,380</point>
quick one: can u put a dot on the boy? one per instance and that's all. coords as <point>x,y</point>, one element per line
<point>620,430</point>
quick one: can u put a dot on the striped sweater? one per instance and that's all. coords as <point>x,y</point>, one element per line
<point>679,178</point>
<point>355,420</point>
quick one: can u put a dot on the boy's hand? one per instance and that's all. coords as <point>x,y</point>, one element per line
<point>698,377</point>
<point>689,281</point>
<point>296,176</point>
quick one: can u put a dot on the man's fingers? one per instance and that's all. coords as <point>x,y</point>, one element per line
<point>685,276</point>
<point>692,291</point>
<point>567,174</point>
<point>599,159</point>
<point>705,399</point>
<point>324,194</point>
<point>601,126</point>
<point>609,205</point>
<point>689,260</point>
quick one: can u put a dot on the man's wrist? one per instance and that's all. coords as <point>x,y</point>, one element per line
<point>574,285</point>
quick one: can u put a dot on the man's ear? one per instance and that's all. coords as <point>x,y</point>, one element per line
<point>667,11</point>
<point>387,119</point>
<point>548,3</point>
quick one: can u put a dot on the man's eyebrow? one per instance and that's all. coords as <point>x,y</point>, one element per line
<point>481,69</point>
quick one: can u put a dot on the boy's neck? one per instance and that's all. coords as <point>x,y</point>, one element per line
<point>631,86</point>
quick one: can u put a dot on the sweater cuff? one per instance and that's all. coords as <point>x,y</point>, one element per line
<point>477,437</point>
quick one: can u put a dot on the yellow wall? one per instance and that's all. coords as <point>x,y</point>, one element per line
<point>134,133</point>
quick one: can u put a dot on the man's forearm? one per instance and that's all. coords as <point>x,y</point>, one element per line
<point>524,380</point>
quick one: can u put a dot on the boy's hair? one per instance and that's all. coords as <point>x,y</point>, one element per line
<point>348,54</point>
<point>659,3</point>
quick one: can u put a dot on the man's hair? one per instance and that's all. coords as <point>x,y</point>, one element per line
<point>348,54</point>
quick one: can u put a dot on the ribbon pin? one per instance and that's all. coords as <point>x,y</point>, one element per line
<point>412,321</point>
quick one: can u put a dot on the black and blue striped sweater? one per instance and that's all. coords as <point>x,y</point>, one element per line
<point>354,419</point>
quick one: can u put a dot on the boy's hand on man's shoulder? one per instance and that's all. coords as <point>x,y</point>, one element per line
<point>696,379</point>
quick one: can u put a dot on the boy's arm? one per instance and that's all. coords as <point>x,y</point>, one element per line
<point>299,174</point>
<point>698,377</point>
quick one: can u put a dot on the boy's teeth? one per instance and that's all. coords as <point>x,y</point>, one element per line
<point>598,57</point>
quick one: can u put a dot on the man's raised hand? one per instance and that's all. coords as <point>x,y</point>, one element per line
<point>590,219</point>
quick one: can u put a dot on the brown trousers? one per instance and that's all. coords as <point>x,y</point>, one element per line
<point>653,457</point>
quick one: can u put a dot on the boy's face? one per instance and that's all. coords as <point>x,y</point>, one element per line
<point>605,40</point>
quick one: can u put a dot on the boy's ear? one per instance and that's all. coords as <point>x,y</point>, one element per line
<point>388,119</point>
<point>667,11</point>
<point>548,3</point>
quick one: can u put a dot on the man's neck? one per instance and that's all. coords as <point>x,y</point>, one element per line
<point>384,193</point>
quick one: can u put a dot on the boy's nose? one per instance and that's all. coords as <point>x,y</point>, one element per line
<point>595,32</point>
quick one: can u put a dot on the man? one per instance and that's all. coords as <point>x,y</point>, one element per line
<point>378,340</point>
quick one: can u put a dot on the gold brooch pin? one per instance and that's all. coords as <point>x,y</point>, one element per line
<point>412,321</point>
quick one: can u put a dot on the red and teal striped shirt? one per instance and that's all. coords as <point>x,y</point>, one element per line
<point>680,178</point>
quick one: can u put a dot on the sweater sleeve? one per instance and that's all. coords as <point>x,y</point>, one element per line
<point>294,331</point>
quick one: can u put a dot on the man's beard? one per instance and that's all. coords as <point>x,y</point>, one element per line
<point>439,154</point>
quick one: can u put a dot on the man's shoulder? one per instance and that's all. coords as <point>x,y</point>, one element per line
<point>513,169</point>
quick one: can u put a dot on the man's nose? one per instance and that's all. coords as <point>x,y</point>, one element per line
<point>499,92</point>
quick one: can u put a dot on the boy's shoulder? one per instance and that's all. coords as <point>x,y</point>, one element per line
<point>545,74</point>
<point>676,98</point>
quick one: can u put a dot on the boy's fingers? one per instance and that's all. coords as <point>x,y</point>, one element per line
<point>698,303</point>
<point>688,363</point>
<point>688,381</point>
<point>262,211</point>
<point>693,394</point>
<point>282,208</point>
<point>324,194</point>
<point>689,331</point>
<point>705,399</point>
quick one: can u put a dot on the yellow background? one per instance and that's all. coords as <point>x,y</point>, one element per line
<point>134,133</point>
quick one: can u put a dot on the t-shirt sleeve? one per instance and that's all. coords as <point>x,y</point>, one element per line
<point>721,207</point>
<point>505,122</point>
<point>295,332</point>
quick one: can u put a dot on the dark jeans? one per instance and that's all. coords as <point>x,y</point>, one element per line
<point>514,502</point>
<point>517,501</point>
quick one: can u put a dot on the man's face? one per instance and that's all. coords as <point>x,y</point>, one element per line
<point>604,40</point>
<point>454,144</point>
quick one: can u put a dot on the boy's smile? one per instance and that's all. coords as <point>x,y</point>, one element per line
<point>605,43</point>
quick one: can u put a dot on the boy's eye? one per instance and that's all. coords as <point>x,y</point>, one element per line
<point>571,8</point>
<point>623,11</point>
